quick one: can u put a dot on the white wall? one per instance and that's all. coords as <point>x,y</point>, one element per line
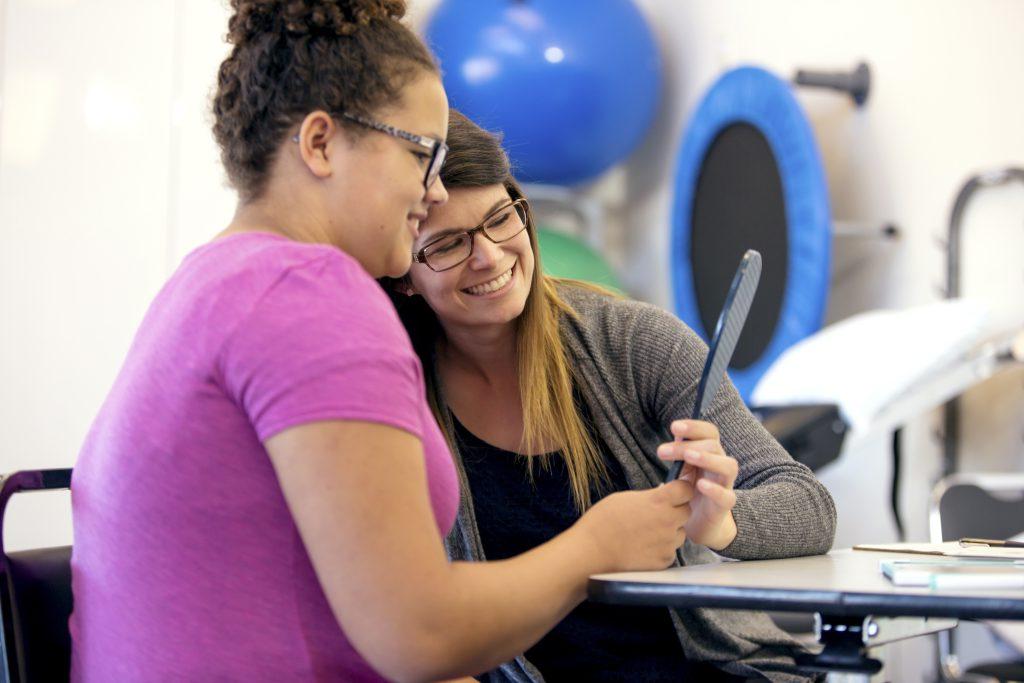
<point>108,176</point>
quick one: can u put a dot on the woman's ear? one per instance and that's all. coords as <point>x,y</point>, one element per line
<point>314,137</point>
<point>404,286</point>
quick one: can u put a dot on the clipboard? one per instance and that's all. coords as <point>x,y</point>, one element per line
<point>948,549</point>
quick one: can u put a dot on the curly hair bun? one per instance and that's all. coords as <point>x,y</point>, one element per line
<point>291,57</point>
<point>253,18</point>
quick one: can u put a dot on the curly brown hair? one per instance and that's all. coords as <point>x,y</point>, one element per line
<point>291,57</point>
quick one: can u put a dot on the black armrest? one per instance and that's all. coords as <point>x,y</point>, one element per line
<point>28,480</point>
<point>813,433</point>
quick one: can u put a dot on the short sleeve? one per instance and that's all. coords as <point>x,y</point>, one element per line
<point>323,343</point>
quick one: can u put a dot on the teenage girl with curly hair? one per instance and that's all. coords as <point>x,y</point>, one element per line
<point>264,493</point>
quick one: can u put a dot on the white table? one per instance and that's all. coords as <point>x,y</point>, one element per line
<point>844,588</point>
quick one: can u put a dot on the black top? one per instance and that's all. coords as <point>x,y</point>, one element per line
<point>594,642</point>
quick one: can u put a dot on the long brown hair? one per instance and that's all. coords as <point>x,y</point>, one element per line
<point>550,414</point>
<point>291,57</point>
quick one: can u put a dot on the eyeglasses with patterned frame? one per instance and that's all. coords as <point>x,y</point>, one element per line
<point>437,149</point>
<point>450,250</point>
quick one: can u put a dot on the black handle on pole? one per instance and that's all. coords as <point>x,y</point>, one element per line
<point>856,83</point>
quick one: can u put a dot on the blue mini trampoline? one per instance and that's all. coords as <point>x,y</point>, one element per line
<point>749,176</point>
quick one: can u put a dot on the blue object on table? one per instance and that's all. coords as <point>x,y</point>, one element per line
<point>573,87</point>
<point>749,175</point>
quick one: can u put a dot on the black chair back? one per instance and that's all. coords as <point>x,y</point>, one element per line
<point>978,505</point>
<point>968,510</point>
<point>35,595</point>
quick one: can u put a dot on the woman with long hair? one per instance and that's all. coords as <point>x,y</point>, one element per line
<point>555,394</point>
<point>264,493</point>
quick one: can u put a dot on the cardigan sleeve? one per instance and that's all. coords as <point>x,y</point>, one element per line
<point>781,510</point>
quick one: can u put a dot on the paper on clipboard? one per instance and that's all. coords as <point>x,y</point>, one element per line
<point>949,549</point>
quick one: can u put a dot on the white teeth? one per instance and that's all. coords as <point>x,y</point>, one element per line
<point>495,284</point>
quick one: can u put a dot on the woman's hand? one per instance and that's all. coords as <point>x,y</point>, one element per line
<point>639,530</point>
<point>712,473</point>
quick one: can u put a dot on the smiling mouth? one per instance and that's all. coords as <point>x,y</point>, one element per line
<point>491,285</point>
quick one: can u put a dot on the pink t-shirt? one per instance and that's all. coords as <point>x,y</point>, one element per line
<point>187,564</point>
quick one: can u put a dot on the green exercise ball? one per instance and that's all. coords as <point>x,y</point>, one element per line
<point>563,255</point>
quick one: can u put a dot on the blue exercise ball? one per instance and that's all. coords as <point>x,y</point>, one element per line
<point>572,86</point>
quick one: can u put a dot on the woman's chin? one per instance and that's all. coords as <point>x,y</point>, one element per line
<point>398,268</point>
<point>501,312</point>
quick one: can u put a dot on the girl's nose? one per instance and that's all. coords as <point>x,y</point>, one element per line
<point>437,193</point>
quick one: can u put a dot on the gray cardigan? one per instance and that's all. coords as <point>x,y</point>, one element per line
<point>637,367</point>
